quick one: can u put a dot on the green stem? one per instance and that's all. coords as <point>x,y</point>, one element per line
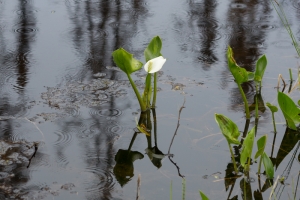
<point>245,101</point>
<point>154,90</point>
<point>259,165</point>
<point>273,118</point>
<point>142,105</point>
<point>147,91</point>
<point>233,159</point>
<point>291,75</point>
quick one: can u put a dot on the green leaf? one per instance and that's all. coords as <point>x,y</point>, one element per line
<point>125,61</point>
<point>228,128</point>
<point>261,65</point>
<point>203,196</point>
<point>269,168</point>
<point>247,147</point>
<point>153,49</point>
<point>289,109</point>
<point>240,75</point>
<point>261,144</point>
<point>272,107</point>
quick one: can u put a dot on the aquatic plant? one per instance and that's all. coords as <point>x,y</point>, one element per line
<point>154,62</point>
<point>241,75</point>
<point>289,109</point>
<point>203,196</point>
<point>247,149</point>
<point>230,131</point>
<point>260,68</point>
<point>273,109</point>
<point>269,168</point>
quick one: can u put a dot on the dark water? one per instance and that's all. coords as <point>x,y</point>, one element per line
<point>62,95</point>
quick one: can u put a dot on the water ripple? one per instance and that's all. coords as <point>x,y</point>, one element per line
<point>64,138</point>
<point>108,113</point>
<point>283,44</point>
<point>238,5</point>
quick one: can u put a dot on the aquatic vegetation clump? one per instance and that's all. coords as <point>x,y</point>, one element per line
<point>154,62</point>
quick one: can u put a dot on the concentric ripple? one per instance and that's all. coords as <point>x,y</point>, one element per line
<point>296,4</point>
<point>108,113</point>
<point>63,138</point>
<point>25,30</point>
<point>238,5</point>
<point>106,177</point>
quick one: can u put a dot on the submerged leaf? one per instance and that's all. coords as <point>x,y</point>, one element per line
<point>261,65</point>
<point>153,49</point>
<point>289,109</point>
<point>240,75</point>
<point>247,147</point>
<point>125,61</point>
<point>228,128</point>
<point>268,166</point>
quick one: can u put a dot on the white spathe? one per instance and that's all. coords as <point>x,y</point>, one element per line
<point>155,64</point>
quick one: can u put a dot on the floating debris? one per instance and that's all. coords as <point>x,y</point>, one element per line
<point>177,86</point>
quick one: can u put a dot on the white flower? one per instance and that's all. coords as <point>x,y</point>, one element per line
<point>155,64</point>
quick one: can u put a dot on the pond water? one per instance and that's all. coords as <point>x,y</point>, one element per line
<point>68,115</point>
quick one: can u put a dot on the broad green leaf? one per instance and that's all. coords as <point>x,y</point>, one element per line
<point>125,61</point>
<point>203,196</point>
<point>261,65</point>
<point>269,168</point>
<point>247,147</point>
<point>228,128</point>
<point>240,75</point>
<point>272,107</point>
<point>261,144</point>
<point>153,49</point>
<point>289,109</point>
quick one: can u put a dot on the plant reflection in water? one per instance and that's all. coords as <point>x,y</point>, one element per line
<point>124,167</point>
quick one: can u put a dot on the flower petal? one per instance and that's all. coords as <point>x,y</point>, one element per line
<point>155,64</point>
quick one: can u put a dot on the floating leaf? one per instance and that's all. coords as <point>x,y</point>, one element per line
<point>228,128</point>
<point>240,75</point>
<point>203,196</point>
<point>125,61</point>
<point>269,168</point>
<point>261,144</point>
<point>272,107</point>
<point>153,49</point>
<point>247,147</point>
<point>261,65</point>
<point>289,109</point>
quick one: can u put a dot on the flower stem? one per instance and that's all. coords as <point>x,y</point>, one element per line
<point>245,101</point>
<point>273,118</point>
<point>233,159</point>
<point>154,90</point>
<point>147,91</point>
<point>142,105</point>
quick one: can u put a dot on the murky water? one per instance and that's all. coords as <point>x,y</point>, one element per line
<point>68,115</point>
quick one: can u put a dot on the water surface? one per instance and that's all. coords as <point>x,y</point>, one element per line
<point>62,95</point>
